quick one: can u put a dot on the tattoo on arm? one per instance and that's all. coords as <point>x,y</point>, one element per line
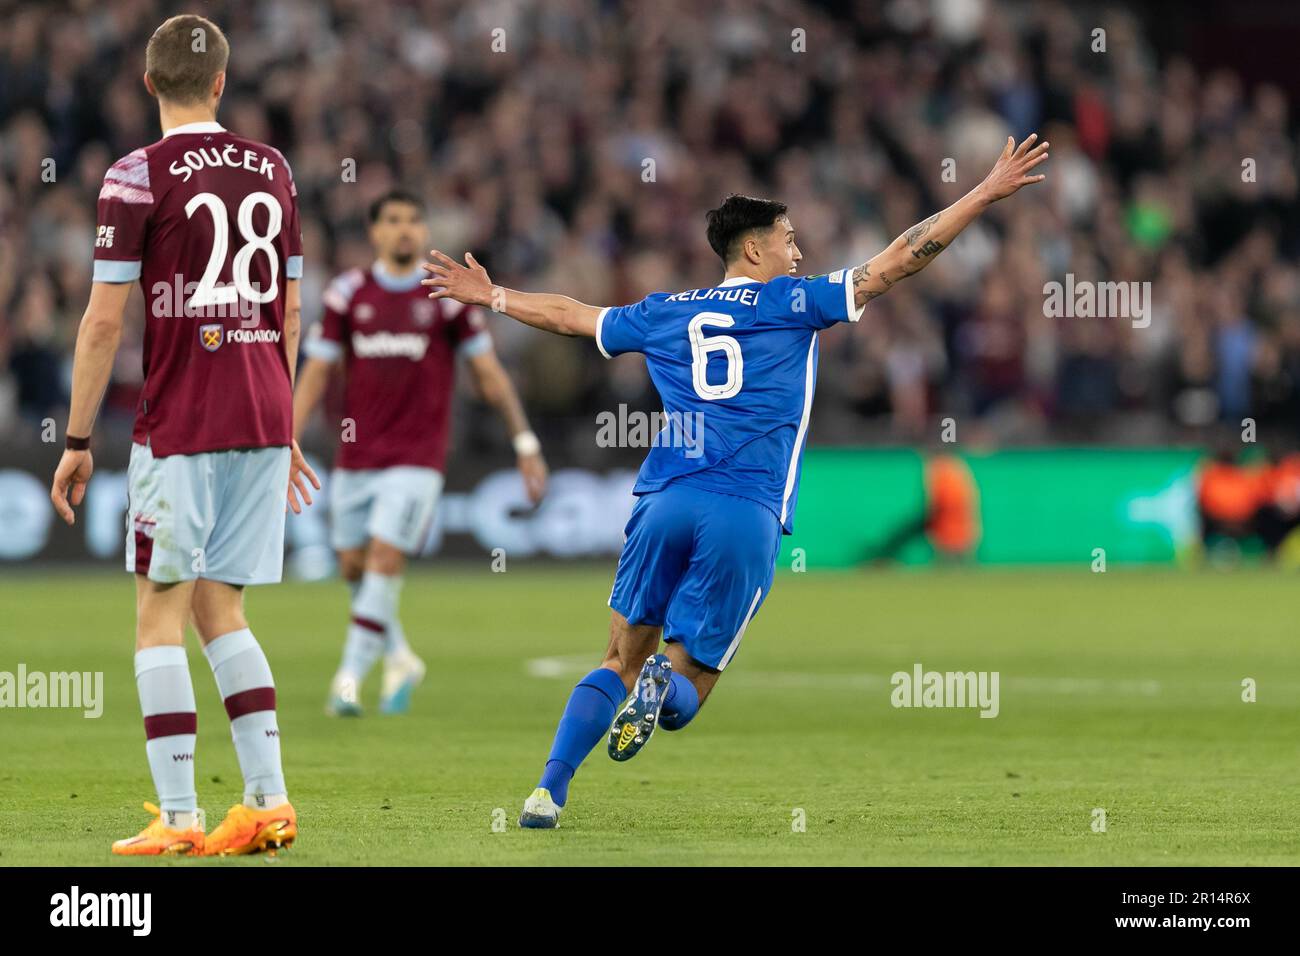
<point>914,236</point>
<point>918,232</point>
<point>916,243</point>
<point>861,294</point>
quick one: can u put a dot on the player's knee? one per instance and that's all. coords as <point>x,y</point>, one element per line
<point>628,661</point>
<point>629,646</point>
<point>383,558</point>
<point>352,564</point>
<point>158,630</point>
<point>217,609</point>
<point>212,624</point>
<point>161,610</point>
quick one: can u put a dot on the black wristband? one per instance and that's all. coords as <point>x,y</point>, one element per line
<point>76,444</point>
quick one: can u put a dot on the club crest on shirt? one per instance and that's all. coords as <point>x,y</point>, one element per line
<point>364,312</point>
<point>422,312</point>
<point>210,336</point>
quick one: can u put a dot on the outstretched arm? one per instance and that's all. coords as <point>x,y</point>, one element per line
<point>470,284</point>
<point>915,249</point>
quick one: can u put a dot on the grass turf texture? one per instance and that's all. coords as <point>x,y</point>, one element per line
<point>1119,691</point>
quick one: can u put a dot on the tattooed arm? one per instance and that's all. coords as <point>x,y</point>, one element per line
<point>915,249</point>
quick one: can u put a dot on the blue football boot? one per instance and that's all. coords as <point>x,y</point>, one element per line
<point>637,719</point>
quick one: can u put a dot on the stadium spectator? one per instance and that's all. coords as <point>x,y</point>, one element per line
<point>583,156</point>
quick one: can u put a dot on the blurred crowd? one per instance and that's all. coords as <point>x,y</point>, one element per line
<point>574,146</point>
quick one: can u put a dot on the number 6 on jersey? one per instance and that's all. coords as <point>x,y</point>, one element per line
<point>702,348</point>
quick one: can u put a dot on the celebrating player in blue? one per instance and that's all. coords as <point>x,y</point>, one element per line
<point>702,541</point>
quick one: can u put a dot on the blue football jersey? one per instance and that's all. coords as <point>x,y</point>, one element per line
<point>735,367</point>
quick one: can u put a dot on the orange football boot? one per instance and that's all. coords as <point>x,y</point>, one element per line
<point>159,840</point>
<point>246,830</point>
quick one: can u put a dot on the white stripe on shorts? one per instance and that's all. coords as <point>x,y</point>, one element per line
<point>735,641</point>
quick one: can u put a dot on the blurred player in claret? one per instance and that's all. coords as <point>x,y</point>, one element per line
<point>207,222</point>
<point>704,534</point>
<point>398,351</point>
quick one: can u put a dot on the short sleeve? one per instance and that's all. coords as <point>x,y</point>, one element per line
<point>293,261</point>
<point>623,328</point>
<point>469,333</point>
<point>816,302</point>
<point>293,229</point>
<point>326,339</point>
<point>122,219</point>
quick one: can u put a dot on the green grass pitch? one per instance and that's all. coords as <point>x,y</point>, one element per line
<point>1120,691</point>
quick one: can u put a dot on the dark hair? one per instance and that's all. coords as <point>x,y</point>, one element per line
<point>394,195</point>
<point>736,216</point>
<point>184,56</point>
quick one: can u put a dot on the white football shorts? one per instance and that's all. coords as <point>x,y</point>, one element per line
<point>395,505</point>
<point>217,515</point>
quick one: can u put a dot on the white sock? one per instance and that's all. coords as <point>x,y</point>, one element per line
<point>162,676</point>
<point>245,683</point>
<point>179,819</point>
<point>265,801</point>
<point>374,609</point>
<point>395,639</point>
<point>357,649</point>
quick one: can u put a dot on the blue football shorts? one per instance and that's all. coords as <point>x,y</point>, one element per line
<point>698,564</point>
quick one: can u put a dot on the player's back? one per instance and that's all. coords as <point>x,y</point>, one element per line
<point>208,221</point>
<point>735,367</point>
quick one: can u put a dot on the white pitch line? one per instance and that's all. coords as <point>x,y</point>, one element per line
<point>560,666</point>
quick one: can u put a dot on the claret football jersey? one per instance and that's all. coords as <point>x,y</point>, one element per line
<point>398,348</point>
<point>207,222</point>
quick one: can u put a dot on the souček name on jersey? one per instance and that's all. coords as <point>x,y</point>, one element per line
<point>193,160</point>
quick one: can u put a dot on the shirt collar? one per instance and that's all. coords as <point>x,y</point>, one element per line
<point>203,126</point>
<point>736,280</point>
<point>392,282</point>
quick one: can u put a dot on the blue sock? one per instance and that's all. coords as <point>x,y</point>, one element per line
<point>681,704</point>
<point>586,718</point>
